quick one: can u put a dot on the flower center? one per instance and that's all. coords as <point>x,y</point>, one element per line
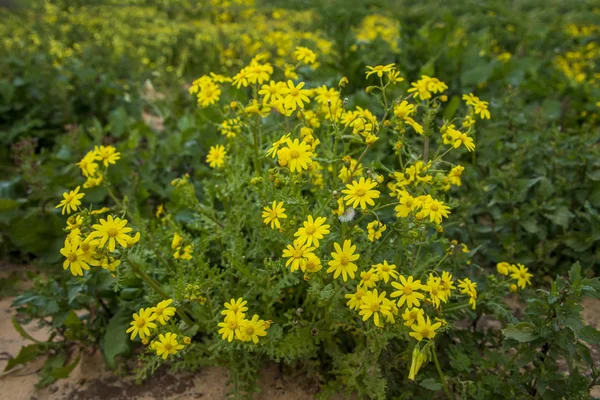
<point>158,311</point>
<point>407,290</point>
<point>232,325</point>
<point>294,154</point>
<point>273,214</point>
<point>140,322</point>
<point>72,257</point>
<point>297,254</point>
<point>249,331</point>
<point>294,92</point>
<point>360,192</point>
<point>426,333</point>
<point>168,347</point>
<point>85,247</point>
<point>344,260</point>
<point>434,207</point>
<point>310,229</point>
<point>112,232</point>
<point>375,307</point>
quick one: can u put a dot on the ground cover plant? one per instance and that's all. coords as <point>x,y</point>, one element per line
<point>355,200</point>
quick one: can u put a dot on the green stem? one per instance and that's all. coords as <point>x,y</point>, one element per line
<point>156,286</point>
<point>439,262</point>
<point>439,369</point>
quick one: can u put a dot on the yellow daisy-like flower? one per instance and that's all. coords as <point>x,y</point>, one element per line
<point>112,230</point>
<point>374,230</point>
<point>76,259</point>
<point>369,279</point>
<point>163,312</point>
<point>379,70</point>
<point>71,201</point>
<point>297,254</point>
<point>88,165</point>
<point>521,274</point>
<point>410,315</point>
<point>355,300</point>
<point>167,344</point>
<point>435,210</point>
<point>373,305</point>
<point>503,268</point>
<point>216,156</point>
<point>275,147</point>
<point>361,192</point>
<point>229,326</point>
<point>305,55</point>
<point>313,230</point>
<point>271,215</point>
<point>107,154</point>
<point>459,138</point>
<point>408,291</point>
<point>386,271</point>
<point>297,155</point>
<point>251,329</point>
<point>342,261</point>
<point>142,323</point>
<point>295,96</point>
<point>235,308</point>
<point>312,264</point>
<point>424,329</point>
<point>404,109</point>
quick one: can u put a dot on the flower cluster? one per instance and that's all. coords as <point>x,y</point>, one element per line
<point>518,272</point>
<point>181,251</point>
<point>235,325</point>
<point>144,323</point>
<point>90,168</point>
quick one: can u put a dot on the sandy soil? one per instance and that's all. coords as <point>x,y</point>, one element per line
<point>91,380</point>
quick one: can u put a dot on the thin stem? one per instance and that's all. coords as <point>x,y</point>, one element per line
<point>439,262</point>
<point>156,286</point>
<point>439,369</point>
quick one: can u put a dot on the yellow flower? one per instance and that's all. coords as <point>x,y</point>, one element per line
<point>74,222</point>
<point>100,211</point>
<point>375,229</point>
<point>459,138</point>
<point>229,326</point>
<point>521,274</point>
<point>503,268</point>
<point>216,156</point>
<point>87,164</point>
<point>167,344</point>
<point>407,204</point>
<point>70,202</point>
<point>379,70</point>
<point>112,230</point>
<point>446,284</point>
<point>407,291</point>
<point>272,92</point>
<point>312,264</point>
<point>355,300</point>
<point>273,150</point>
<point>75,258</point>
<point>297,154</point>
<point>163,312</point>
<point>235,308</point>
<point>417,360</point>
<point>342,261</point>
<point>423,329</point>
<point>305,54</point>
<point>142,323</point>
<point>271,215</point>
<point>368,279</point>
<point>372,306</point>
<point>107,154</point>
<point>297,254</point>
<point>361,192</point>
<point>410,315</point>
<point>404,109</point>
<point>295,96</point>
<point>470,289</point>
<point>177,241</point>
<point>313,230</point>
<point>416,126</point>
<point>435,209</point>
<point>251,329</point>
<point>386,271</point>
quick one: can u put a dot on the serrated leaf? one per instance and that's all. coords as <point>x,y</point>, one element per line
<point>26,354</point>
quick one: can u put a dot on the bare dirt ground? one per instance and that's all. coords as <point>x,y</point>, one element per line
<point>91,380</point>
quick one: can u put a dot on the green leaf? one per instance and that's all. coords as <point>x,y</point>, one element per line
<point>26,354</point>
<point>452,107</point>
<point>575,273</point>
<point>22,331</point>
<point>560,216</point>
<point>64,371</point>
<point>53,362</point>
<point>431,384</point>
<point>589,334</point>
<point>116,341</point>
<point>522,332</point>
<point>569,315</point>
